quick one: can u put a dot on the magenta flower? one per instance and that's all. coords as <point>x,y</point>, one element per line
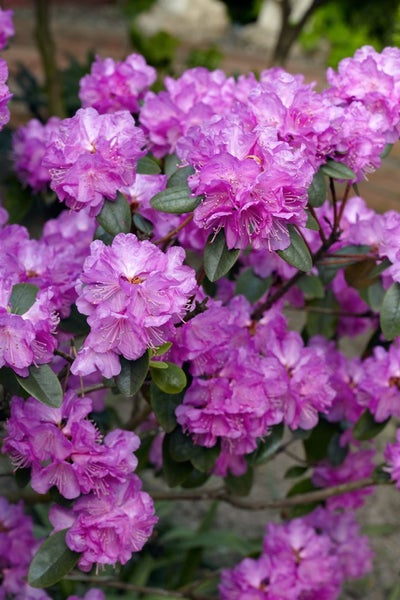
<point>91,156</point>
<point>6,27</point>
<point>116,85</point>
<point>107,530</point>
<point>5,94</point>
<point>134,294</point>
<point>28,148</point>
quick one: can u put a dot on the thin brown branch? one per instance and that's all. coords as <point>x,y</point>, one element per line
<point>172,233</point>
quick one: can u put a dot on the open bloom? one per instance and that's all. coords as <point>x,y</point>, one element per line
<point>133,293</point>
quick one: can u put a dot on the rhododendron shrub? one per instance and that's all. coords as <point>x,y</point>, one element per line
<point>147,339</point>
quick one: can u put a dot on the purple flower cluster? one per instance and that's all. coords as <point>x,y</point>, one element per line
<point>17,546</point>
<point>5,94</point>
<point>28,148</point>
<point>133,294</point>
<point>283,380</point>
<point>111,517</point>
<point>91,156</point>
<point>307,557</point>
<point>6,27</point>
<point>113,86</point>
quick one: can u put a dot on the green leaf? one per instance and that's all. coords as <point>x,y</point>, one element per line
<point>240,486</point>
<point>23,296</point>
<point>367,428</point>
<point>359,274</point>
<point>171,380</point>
<point>375,295</point>
<point>52,561</point>
<point>142,224</point>
<point>267,447</point>
<point>297,254</point>
<point>337,170</point>
<point>42,384</point>
<point>218,259</point>
<point>312,223</point>
<point>317,190</point>
<point>295,471</point>
<point>171,164</point>
<point>386,151</point>
<point>102,235</point>
<point>148,166</point>
<point>158,364</point>
<point>174,472</point>
<point>75,323</point>
<point>132,375</point>
<point>203,459</point>
<point>322,322</point>
<point>390,312</point>
<point>301,487</point>
<point>180,445</point>
<point>164,406</point>
<point>115,216</point>
<point>179,177</point>
<point>336,452</point>
<point>160,350</point>
<point>251,286</point>
<point>311,286</point>
<point>195,479</point>
<point>176,200</point>
<point>316,445</point>
<point>343,257</point>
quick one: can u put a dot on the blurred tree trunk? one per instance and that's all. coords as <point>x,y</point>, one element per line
<point>290,31</point>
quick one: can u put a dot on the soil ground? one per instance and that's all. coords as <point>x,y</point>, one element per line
<point>95,25</point>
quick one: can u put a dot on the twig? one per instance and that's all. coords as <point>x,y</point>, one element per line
<point>172,233</point>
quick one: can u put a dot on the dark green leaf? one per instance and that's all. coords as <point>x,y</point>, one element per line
<point>251,286</point>
<point>171,164</point>
<point>267,447</point>
<point>142,224</point>
<point>312,223</point>
<point>301,487</point>
<point>316,445</point>
<point>22,477</point>
<point>8,379</point>
<point>132,375</point>
<point>171,380</point>
<point>390,312</point>
<point>52,561</point>
<point>347,256</point>
<point>240,486</point>
<point>195,479</point>
<point>317,190</point>
<point>174,472</point>
<point>381,475</point>
<point>336,452</point>
<point>42,384</point>
<point>381,267</point>
<point>179,177</point>
<point>180,445</point>
<point>311,286</point>
<point>375,295</point>
<point>176,200</point>
<point>295,471</point>
<point>203,458</point>
<point>386,151</point>
<point>75,323</point>
<point>102,235</point>
<point>218,259</point>
<point>23,296</point>
<point>367,428</point>
<point>297,254</point>
<point>320,321</point>
<point>337,170</point>
<point>115,216</point>
<point>164,406</point>
<point>148,166</point>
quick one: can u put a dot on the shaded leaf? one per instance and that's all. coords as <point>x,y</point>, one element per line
<point>75,323</point>
<point>132,375</point>
<point>311,223</point>
<point>321,321</point>
<point>180,445</point>
<point>23,296</point>
<point>311,286</point>
<point>147,166</point>
<point>142,224</point>
<point>176,200</point>
<point>359,274</point>
<point>336,452</point>
<point>390,312</point>
<point>337,170</point>
<point>251,286</point>
<point>295,471</point>
<point>367,428</point>
<point>42,384</point>
<point>171,380</point>
<point>375,295</point>
<point>164,406</point>
<point>171,164</point>
<point>101,234</point>
<point>316,445</point>
<point>174,472</point>
<point>267,447</point>
<point>115,216</point>
<point>203,459</point>
<point>179,177</point>
<point>52,561</point>
<point>317,190</point>
<point>240,486</point>
<point>218,259</point>
<point>297,254</point>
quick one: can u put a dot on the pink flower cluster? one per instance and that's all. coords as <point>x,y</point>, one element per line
<point>308,557</point>
<point>91,156</point>
<point>116,85</point>
<point>6,27</point>
<point>283,380</point>
<point>111,517</point>
<point>133,294</point>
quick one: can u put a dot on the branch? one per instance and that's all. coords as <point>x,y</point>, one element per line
<point>315,496</point>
